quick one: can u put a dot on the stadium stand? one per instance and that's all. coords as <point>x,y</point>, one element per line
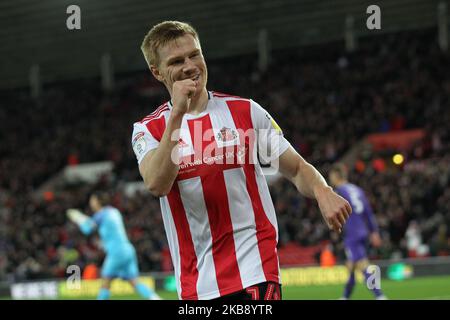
<point>326,101</point>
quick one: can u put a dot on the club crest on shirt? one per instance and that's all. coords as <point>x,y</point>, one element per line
<point>226,134</point>
<point>139,143</point>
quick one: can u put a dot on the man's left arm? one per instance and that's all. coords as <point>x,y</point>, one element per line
<point>310,183</point>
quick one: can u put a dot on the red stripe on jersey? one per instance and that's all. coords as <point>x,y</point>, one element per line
<point>223,95</point>
<point>164,106</point>
<point>189,271</point>
<point>219,216</point>
<point>224,251</point>
<point>157,127</point>
<point>156,113</point>
<point>197,135</point>
<point>265,231</point>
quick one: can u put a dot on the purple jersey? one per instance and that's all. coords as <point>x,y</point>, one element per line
<point>362,221</point>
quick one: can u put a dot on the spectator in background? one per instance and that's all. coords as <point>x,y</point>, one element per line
<point>414,241</point>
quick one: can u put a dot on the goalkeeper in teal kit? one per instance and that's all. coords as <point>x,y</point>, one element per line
<point>120,260</point>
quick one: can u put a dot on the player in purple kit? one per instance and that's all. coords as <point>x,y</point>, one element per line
<point>360,227</point>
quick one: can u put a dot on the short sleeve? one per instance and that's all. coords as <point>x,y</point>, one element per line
<point>271,141</point>
<point>142,141</point>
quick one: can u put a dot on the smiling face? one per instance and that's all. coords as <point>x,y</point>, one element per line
<point>181,59</point>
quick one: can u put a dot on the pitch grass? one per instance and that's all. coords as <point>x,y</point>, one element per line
<point>417,288</point>
<point>436,288</point>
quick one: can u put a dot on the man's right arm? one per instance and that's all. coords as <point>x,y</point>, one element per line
<point>159,167</point>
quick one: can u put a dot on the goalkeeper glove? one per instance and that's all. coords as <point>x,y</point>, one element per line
<point>76,216</point>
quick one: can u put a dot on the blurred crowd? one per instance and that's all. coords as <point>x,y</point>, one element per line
<point>325,100</point>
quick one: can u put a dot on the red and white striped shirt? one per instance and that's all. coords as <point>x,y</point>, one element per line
<point>219,217</point>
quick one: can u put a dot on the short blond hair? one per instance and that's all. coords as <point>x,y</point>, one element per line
<point>161,34</point>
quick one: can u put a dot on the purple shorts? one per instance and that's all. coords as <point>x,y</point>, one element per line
<point>356,250</point>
